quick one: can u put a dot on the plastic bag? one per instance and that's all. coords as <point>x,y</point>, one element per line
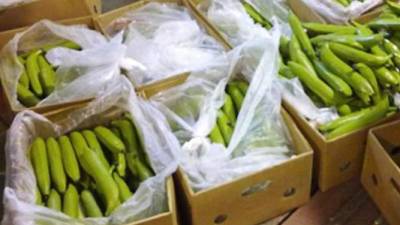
<point>237,26</point>
<point>294,94</point>
<point>150,198</point>
<point>259,139</point>
<point>80,74</point>
<point>334,12</point>
<point>166,40</point>
<point>6,4</point>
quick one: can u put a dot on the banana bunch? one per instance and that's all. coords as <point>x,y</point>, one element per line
<point>226,120</point>
<point>89,173</point>
<point>352,67</point>
<point>37,79</point>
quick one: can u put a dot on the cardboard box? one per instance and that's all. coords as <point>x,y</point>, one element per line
<point>26,15</point>
<point>106,19</point>
<point>253,198</point>
<point>381,171</point>
<point>166,218</point>
<point>242,201</point>
<point>337,160</point>
<point>7,113</point>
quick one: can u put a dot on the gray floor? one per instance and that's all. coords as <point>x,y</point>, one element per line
<point>112,4</point>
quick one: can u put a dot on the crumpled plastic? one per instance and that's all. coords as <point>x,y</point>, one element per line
<point>150,198</point>
<point>259,139</point>
<point>294,94</point>
<point>334,12</point>
<point>230,17</point>
<point>80,75</point>
<point>165,40</point>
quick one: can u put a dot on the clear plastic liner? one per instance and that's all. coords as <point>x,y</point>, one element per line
<point>165,40</point>
<point>259,139</point>
<point>236,25</point>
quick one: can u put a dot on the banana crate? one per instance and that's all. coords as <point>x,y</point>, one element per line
<point>254,198</point>
<point>8,112</point>
<point>381,171</point>
<point>85,117</point>
<point>250,199</point>
<point>339,159</point>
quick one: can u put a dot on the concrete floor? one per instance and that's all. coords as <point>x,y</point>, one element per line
<point>112,4</point>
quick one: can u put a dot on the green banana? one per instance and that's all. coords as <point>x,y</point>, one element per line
<point>142,171</point>
<point>54,200</point>
<point>33,70</point>
<point>47,75</point>
<point>40,165</point>
<point>229,109</point>
<point>24,79</point>
<point>90,205</point>
<point>216,136</point>
<point>124,192</point>
<point>129,137</point>
<point>236,95</point>
<point>71,201</point>
<point>70,162</point>
<point>109,139</point>
<point>105,184</point>
<point>225,128</point>
<point>79,143</point>
<point>38,197</point>
<point>56,165</point>
<point>26,97</point>
<point>94,144</point>
<point>120,164</point>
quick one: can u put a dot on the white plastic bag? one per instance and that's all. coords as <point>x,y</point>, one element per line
<point>80,75</point>
<point>6,4</point>
<point>334,12</point>
<point>166,40</point>
<point>259,139</point>
<point>294,94</point>
<point>236,25</point>
<point>150,198</point>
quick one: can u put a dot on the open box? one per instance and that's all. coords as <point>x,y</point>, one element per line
<point>106,19</point>
<point>7,113</point>
<point>250,199</point>
<point>26,15</point>
<point>169,217</point>
<point>337,160</point>
<point>253,198</point>
<point>340,159</point>
<point>381,171</point>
